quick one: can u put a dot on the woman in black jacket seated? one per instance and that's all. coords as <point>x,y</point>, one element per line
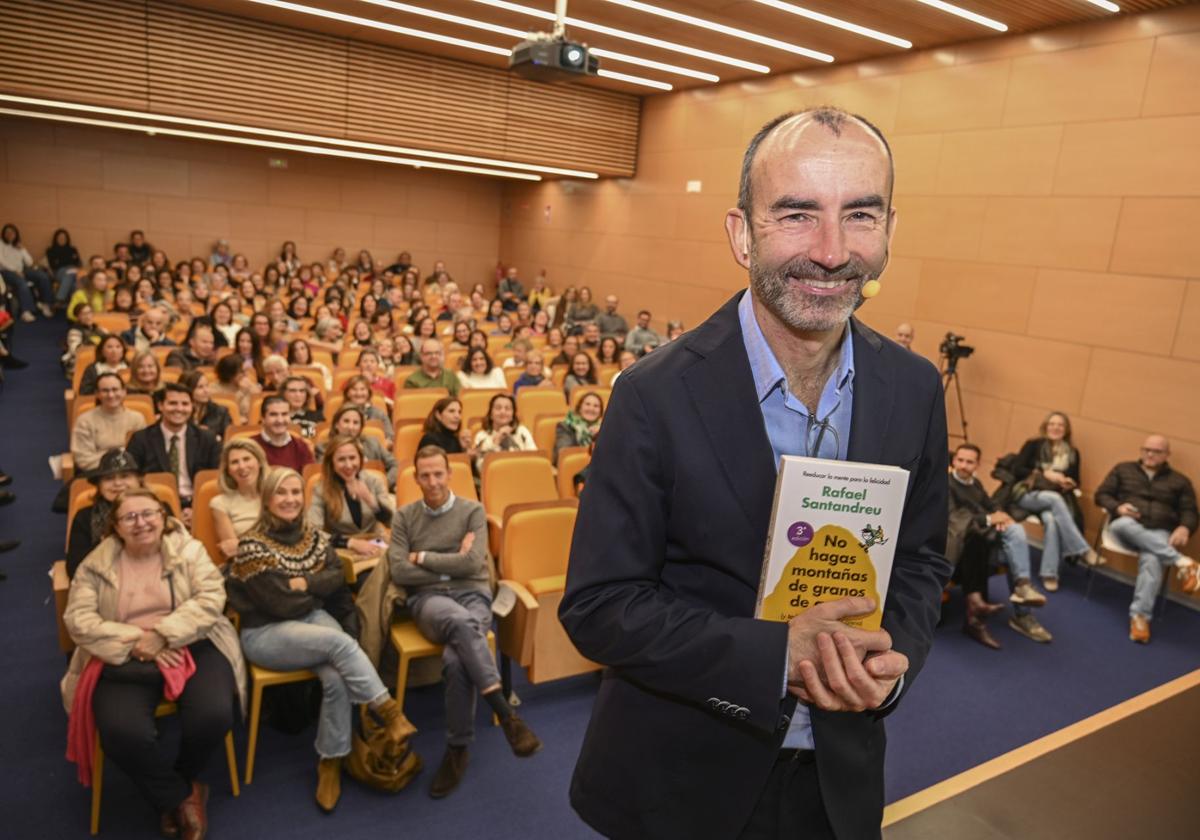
<point>287,584</point>
<point>444,427</point>
<point>110,358</point>
<point>1047,471</point>
<point>117,472</point>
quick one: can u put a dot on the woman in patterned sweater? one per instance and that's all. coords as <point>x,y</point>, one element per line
<point>288,586</point>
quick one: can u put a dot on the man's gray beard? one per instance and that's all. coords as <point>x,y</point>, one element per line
<point>814,313</point>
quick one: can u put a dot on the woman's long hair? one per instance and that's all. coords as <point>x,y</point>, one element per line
<point>268,521</point>
<point>433,423</point>
<point>331,483</point>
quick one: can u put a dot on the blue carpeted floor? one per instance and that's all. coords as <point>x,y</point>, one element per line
<point>969,705</point>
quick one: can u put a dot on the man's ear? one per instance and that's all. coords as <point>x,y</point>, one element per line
<point>737,228</point>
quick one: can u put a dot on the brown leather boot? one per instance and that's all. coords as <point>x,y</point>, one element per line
<point>399,728</point>
<point>978,631</point>
<point>329,783</point>
<point>193,817</point>
<point>520,736</point>
<point>449,772</point>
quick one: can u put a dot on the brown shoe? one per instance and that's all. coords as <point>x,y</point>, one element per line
<point>979,609</point>
<point>329,783</point>
<point>1050,584</point>
<point>168,824</point>
<point>1024,593</point>
<point>1139,630</point>
<point>978,631</point>
<point>1030,628</point>
<point>193,818</point>
<point>449,772</point>
<point>399,728</point>
<point>520,736</point>
<point>1189,577</point>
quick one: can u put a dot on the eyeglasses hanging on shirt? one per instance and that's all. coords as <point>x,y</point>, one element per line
<point>826,433</point>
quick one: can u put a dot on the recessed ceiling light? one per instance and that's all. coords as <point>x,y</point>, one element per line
<point>950,8</point>
<point>291,135</point>
<point>836,22</point>
<point>1104,4</point>
<point>154,130</point>
<point>591,26</point>
<point>679,17</point>
<point>635,80</point>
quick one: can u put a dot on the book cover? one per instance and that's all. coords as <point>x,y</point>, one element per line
<point>833,535</point>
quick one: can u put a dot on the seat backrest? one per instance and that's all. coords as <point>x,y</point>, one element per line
<point>534,401</point>
<point>416,403</point>
<point>203,526</point>
<point>571,460</point>
<point>231,405</point>
<point>512,478</point>
<point>462,483</point>
<point>408,435</point>
<point>537,539</point>
<point>166,487</point>
<point>475,402</point>
<point>545,429</point>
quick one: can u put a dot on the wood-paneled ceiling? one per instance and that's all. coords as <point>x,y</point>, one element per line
<point>912,20</point>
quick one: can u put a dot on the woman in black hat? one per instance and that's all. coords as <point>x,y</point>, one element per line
<point>117,472</point>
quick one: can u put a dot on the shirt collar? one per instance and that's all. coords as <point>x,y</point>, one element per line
<point>768,373</point>
<point>443,509</point>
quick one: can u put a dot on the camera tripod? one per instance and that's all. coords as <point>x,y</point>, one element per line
<point>949,371</point>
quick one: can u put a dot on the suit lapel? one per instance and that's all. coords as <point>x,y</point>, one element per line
<point>874,394</point>
<point>722,391</point>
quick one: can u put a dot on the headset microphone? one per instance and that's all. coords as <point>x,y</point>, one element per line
<point>871,288</point>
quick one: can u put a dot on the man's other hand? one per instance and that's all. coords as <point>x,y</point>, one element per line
<point>826,618</point>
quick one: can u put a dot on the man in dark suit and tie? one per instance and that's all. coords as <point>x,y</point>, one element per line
<point>710,723</point>
<point>175,444</point>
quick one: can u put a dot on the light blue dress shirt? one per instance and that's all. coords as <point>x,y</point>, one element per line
<point>793,431</point>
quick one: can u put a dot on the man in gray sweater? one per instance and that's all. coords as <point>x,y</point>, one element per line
<point>438,553</point>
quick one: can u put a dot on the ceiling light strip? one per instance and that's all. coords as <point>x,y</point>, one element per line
<point>387,27</point>
<point>521,34</point>
<point>601,29</point>
<point>1105,5</point>
<point>791,8</point>
<point>268,144</point>
<point>679,17</point>
<point>635,80</point>
<point>292,135</point>
<point>950,8</point>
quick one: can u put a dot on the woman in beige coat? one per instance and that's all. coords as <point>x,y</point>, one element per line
<point>145,610</point>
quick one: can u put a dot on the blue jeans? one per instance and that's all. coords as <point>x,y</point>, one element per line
<point>459,620</point>
<point>1062,537</point>
<point>22,285</point>
<point>1154,551</point>
<point>1015,548</point>
<point>66,282</point>
<point>318,642</point>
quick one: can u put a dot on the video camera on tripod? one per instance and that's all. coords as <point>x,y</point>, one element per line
<point>953,349</point>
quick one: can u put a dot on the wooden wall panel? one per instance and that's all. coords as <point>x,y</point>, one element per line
<point>183,61</point>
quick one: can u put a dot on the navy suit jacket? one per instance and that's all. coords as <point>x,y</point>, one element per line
<point>663,578</point>
<point>149,449</point>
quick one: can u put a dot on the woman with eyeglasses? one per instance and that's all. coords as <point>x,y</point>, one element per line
<point>146,611</point>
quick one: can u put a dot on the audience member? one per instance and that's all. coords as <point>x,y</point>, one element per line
<point>22,274</point>
<point>175,444</point>
<point>478,371</point>
<point>357,391</point>
<point>116,473</point>
<point>1152,511</point>
<point>581,425</point>
<point>1047,468</point>
<point>371,368</point>
<point>609,352</point>
<point>146,613</point>
<point>274,371</point>
<point>905,334</point>
<point>533,376</point>
<point>200,348</point>
<point>139,249</point>
<point>210,416</point>
<point>612,324</point>
<point>150,330</point>
<point>583,372</point>
<point>64,263</point>
<point>590,340</point>
<point>236,509</point>
<point>510,290</point>
<point>300,353</point>
<point>105,427</point>
<point>521,349</point>
<point>444,427</point>
<point>290,592</point>
<point>297,391</point>
<point>110,358</point>
<point>349,422</point>
<point>977,526</point>
<point>145,374</point>
<point>641,335</point>
<point>281,446</point>
<point>570,347</point>
<point>432,373</point>
<point>349,503</point>
<point>502,430</point>
<point>584,309</point>
<point>94,291</point>
<point>438,553</point>
<point>234,381</point>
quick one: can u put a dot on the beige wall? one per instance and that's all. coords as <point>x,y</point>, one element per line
<point>1048,189</point>
<point>100,184</point>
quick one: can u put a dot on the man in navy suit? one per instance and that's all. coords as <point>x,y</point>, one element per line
<point>710,723</point>
<point>175,444</point>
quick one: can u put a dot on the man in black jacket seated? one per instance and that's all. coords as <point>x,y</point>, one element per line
<point>977,524</point>
<point>1151,510</point>
<point>175,444</point>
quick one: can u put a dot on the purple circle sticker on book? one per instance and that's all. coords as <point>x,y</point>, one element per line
<point>800,534</point>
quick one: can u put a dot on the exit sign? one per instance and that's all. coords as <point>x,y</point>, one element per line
<point>277,163</point>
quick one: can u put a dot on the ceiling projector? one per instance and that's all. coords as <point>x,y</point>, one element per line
<point>543,57</point>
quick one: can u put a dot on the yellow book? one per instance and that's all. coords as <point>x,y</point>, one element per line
<point>833,535</point>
